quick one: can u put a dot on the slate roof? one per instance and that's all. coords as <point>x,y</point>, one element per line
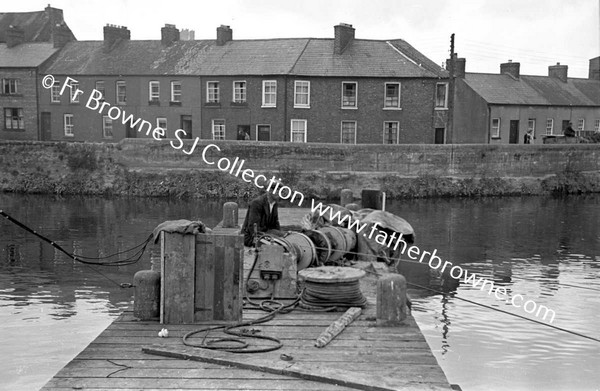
<point>534,90</point>
<point>26,55</point>
<point>36,25</point>
<point>296,56</point>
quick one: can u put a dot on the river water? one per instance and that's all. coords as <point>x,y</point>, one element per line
<point>546,249</point>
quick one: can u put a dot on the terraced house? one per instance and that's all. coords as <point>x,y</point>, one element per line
<point>340,90</point>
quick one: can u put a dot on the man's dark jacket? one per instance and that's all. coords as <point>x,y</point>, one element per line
<point>259,212</point>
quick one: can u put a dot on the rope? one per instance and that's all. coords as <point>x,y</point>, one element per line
<point>338,294</point>
<point>507,312</point>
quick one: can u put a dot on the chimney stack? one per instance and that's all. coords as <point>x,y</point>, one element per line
<point>594,68</point>
<point>343,35</point>
<point>169,34</point>
<point>558,72</point>
<point>61,35</point>
<point>14,36</point>
<point>224,35</point>
<point>459,66</point>
<point>511,68</point>
<point>115,34</point>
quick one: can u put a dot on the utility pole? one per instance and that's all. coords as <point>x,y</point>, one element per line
<point>450,116</point>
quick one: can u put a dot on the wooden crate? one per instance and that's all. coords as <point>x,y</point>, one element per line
<point>201,278</point>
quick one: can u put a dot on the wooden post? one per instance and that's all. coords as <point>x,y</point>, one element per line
<point>346,197</point>
<point>178,268</point>
<point>230,215</point>
<point>391,300</point>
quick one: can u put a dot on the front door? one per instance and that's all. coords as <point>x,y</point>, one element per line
<point>186,124</point>
<point>439,135</point>
<point>130,132</point>
<point>263,132</point>
<point>565,124</point>
<point>513,137</point>
<point>46,131</point>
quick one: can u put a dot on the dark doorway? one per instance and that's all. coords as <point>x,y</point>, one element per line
<point>565,124</point>
<point>46,131</point>
<point>440,135</point>
<point>264,132</point>
<point>186,124</point>
<point>243,132</point>
<point>130,132</point>
<point>513,137</point>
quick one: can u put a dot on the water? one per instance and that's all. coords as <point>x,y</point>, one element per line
<point>51,307</point>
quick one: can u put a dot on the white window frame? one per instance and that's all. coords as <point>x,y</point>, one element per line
<point>107,127</point>
<point>9,120</point>
<point>13,86</point>
<point>298,84</point>
<point>271,95</point>
<point>101,88</point>
<point>239,91</point>
<point>355,105</point>
<point>161,122</point>
<point>581,124</point>
<point>73,95</point>
<point>121,98</point>
<point>445,105</point>
<point>342,131</point>
<point>154,91</point>
<point>531,125</point>
<point>218,129</point>
<point>387,106</point>
<point>68,125</point>
<point>597,125</point>
<point>213,93</point>
<point>55,92</point>
<point>176,96</point>
<point>303,131</point>
<point>495,129</point>
<point>385,128</point>
<point>549,126</point>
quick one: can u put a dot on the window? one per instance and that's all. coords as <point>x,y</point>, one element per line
<point>175,91</point>
<point>68,125</point>
<point>495,127</point>
<point>239,91</point>
<point>74,95</point>
<point>298,133</point>
<point>301,93</point>
<point>107,127</point>
<point>348,132</point>
<point>390,133</point>
<point>597,125</point>
<point>100,88</point>
<point>269,96</point>
<point>13,119</point>
<point>121,93</point>
<point>392,95</point>
<point>531,125</point>
<point>154,91</point>
<point>441,96</point>
<point>162,123</point>
<point>10,86</point>
<point>55,92</point>
<point>212,92</point>
<point>549,125</point>
<point>581,124</point>
<point>218,129</point>
<point>349,95</point>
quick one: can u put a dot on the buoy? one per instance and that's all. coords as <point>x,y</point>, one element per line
<point>146,304</point>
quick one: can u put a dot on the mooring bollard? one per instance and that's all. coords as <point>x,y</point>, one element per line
<point>146,303</point>
<point>346,197</point>
<point>391,300</point>
<point>230,215</point>
<point>352,206</point>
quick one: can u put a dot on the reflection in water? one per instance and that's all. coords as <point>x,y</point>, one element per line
<point>51,307</point>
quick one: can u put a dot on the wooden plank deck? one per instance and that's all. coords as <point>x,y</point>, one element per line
<point>382,358</point>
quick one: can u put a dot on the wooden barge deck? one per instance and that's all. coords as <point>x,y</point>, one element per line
<point>363,356</point>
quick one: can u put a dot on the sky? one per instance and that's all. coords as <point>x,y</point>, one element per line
<point>535,33</point>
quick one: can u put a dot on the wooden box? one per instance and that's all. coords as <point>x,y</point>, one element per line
<point>201,278</point>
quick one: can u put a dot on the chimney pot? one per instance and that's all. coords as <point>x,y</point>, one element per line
<point>558,71</point>
<point>114,34</point>
<point>224,34</point>
<point>343,35</point>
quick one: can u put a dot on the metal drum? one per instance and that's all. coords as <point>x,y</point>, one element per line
<point>303,248</point>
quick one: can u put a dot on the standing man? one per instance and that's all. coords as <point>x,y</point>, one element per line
<point>569,131</point>
<point>262,211</point>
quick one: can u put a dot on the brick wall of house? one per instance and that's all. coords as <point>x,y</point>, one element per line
<point>25,99</point>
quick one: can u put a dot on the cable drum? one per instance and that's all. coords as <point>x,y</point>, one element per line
<point>332,286</point>
<point>342,241</point>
